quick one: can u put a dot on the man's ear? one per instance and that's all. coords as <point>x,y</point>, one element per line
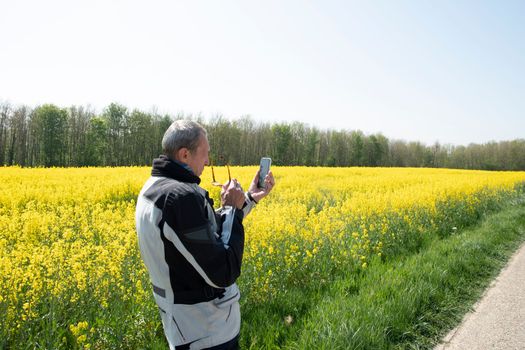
<point>182,154</point>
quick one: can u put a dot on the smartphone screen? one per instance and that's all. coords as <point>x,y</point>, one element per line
<point>264,169</point>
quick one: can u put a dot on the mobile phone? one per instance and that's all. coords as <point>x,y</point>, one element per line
<point>264,169</point>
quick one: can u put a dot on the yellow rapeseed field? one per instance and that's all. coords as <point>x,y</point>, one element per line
<point>69,259</point>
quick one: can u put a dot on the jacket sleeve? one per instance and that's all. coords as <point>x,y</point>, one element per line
<point>213,246</point>
<point>249,204</point>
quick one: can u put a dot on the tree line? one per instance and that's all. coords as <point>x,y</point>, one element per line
<point>49,135</point>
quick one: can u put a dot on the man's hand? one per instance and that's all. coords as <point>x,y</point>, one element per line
<point>259,193</point>
<point>232,194</point>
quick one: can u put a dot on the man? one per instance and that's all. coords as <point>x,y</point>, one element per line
<point>193,254</point>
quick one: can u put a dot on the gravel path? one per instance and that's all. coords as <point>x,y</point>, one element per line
<point>498,319</point>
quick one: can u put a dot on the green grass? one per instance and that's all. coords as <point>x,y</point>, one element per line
<point>409,302</point>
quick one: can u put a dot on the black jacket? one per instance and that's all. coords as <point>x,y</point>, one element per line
<point>193,255</point>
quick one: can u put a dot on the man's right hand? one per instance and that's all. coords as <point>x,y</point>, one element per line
<point>232,194</point>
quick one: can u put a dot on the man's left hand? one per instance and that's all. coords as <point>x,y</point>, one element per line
<point>259,193</point>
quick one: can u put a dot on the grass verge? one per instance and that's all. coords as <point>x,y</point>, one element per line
<point>409,302</point>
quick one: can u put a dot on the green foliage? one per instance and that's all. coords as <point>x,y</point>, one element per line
<point>50,130</point>
<point>96,142</point>
<point>51,136</point>
<point>116,117</point>
<point>282,139</point>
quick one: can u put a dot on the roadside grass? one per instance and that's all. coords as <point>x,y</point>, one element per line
<point>408,302</point>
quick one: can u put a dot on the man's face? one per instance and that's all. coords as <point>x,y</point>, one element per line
<point>198,159</point>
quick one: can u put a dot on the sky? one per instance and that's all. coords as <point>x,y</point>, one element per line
<point>447,71</point>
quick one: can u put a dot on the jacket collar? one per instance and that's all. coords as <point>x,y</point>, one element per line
<point>163,166</point>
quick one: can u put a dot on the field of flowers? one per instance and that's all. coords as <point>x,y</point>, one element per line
<point>70,269</point>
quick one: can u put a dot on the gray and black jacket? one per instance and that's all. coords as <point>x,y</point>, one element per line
<point>193,255</point>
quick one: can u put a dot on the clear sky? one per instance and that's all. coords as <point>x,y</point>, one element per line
<point>451,71</point>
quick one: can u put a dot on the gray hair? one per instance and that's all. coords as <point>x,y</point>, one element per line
<point>182,134</point>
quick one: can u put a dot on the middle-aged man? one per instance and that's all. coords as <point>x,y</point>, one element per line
<point>193,254</point>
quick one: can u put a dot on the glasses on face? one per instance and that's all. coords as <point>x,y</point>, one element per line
<point>214,182</point>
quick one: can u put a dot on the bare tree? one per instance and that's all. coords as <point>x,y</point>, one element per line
<point>5,111</point>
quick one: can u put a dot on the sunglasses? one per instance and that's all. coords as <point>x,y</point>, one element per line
<point>214,182</point>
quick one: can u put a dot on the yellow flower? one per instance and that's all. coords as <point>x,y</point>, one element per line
<point>69,234</point>
<point>81,338</point>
